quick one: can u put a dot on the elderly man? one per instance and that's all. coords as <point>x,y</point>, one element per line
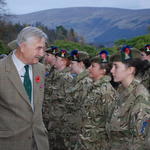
<point>21,94</point>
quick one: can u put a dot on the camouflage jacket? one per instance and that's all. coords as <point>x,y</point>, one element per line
<point>74,100</point>
<point>59,82</point>
<point>130,120</point>
<point>145,79</point>
<point>99,99</point>
<point>78,91</point>
<point>50,71</point>
<point>56,84</point>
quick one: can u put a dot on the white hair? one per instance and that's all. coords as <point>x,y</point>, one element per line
<point>29,32</point>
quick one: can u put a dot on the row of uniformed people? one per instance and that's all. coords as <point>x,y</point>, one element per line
<point>83,111</point>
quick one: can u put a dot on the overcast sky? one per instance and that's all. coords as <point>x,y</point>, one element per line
<point>27,6</point>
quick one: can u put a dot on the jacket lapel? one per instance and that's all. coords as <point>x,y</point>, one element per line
<point>15,79</point>
<point>36,84</point>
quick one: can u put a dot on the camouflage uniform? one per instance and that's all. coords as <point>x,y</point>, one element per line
<point>128,127</point>
<point>48,81</point>
<point>99,99</point>
<point>73,115</point>
<point>57,83</point>
<point>145,79</point>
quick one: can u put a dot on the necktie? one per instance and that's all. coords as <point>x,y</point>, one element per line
<point>27,82</point>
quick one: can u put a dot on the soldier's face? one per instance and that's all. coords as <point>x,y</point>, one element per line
<point>51,59</point>
<point>120,72</point>
<point>74,67</point>
<point>144,56</point>
<point>95,71</point>
<point>60,63</point>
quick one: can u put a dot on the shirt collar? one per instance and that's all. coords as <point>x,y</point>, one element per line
<point>18,63</point>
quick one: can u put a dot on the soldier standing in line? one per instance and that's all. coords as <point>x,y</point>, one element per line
<point>96,104</point>
<point>56,97</point>
<point>79,64</point>
<point>128,128</point>
<point>80,61</point>
<point>49,60</point>
<point>145,76</point>
<point>78,69</point>
<point>74,95</point>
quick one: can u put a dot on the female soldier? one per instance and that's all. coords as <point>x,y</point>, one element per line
<point>59,81</point>
<point>74,97</point>
<point>96,104</point>
<point>49,61</point>
<point>128,126</point>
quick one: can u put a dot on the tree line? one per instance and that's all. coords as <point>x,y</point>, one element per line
<point>9,31</point>
<point>65,38</point>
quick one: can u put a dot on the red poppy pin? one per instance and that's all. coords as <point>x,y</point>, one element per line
<point>38,79</point>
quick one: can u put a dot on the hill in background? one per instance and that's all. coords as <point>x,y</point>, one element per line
<point>96,25</point>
